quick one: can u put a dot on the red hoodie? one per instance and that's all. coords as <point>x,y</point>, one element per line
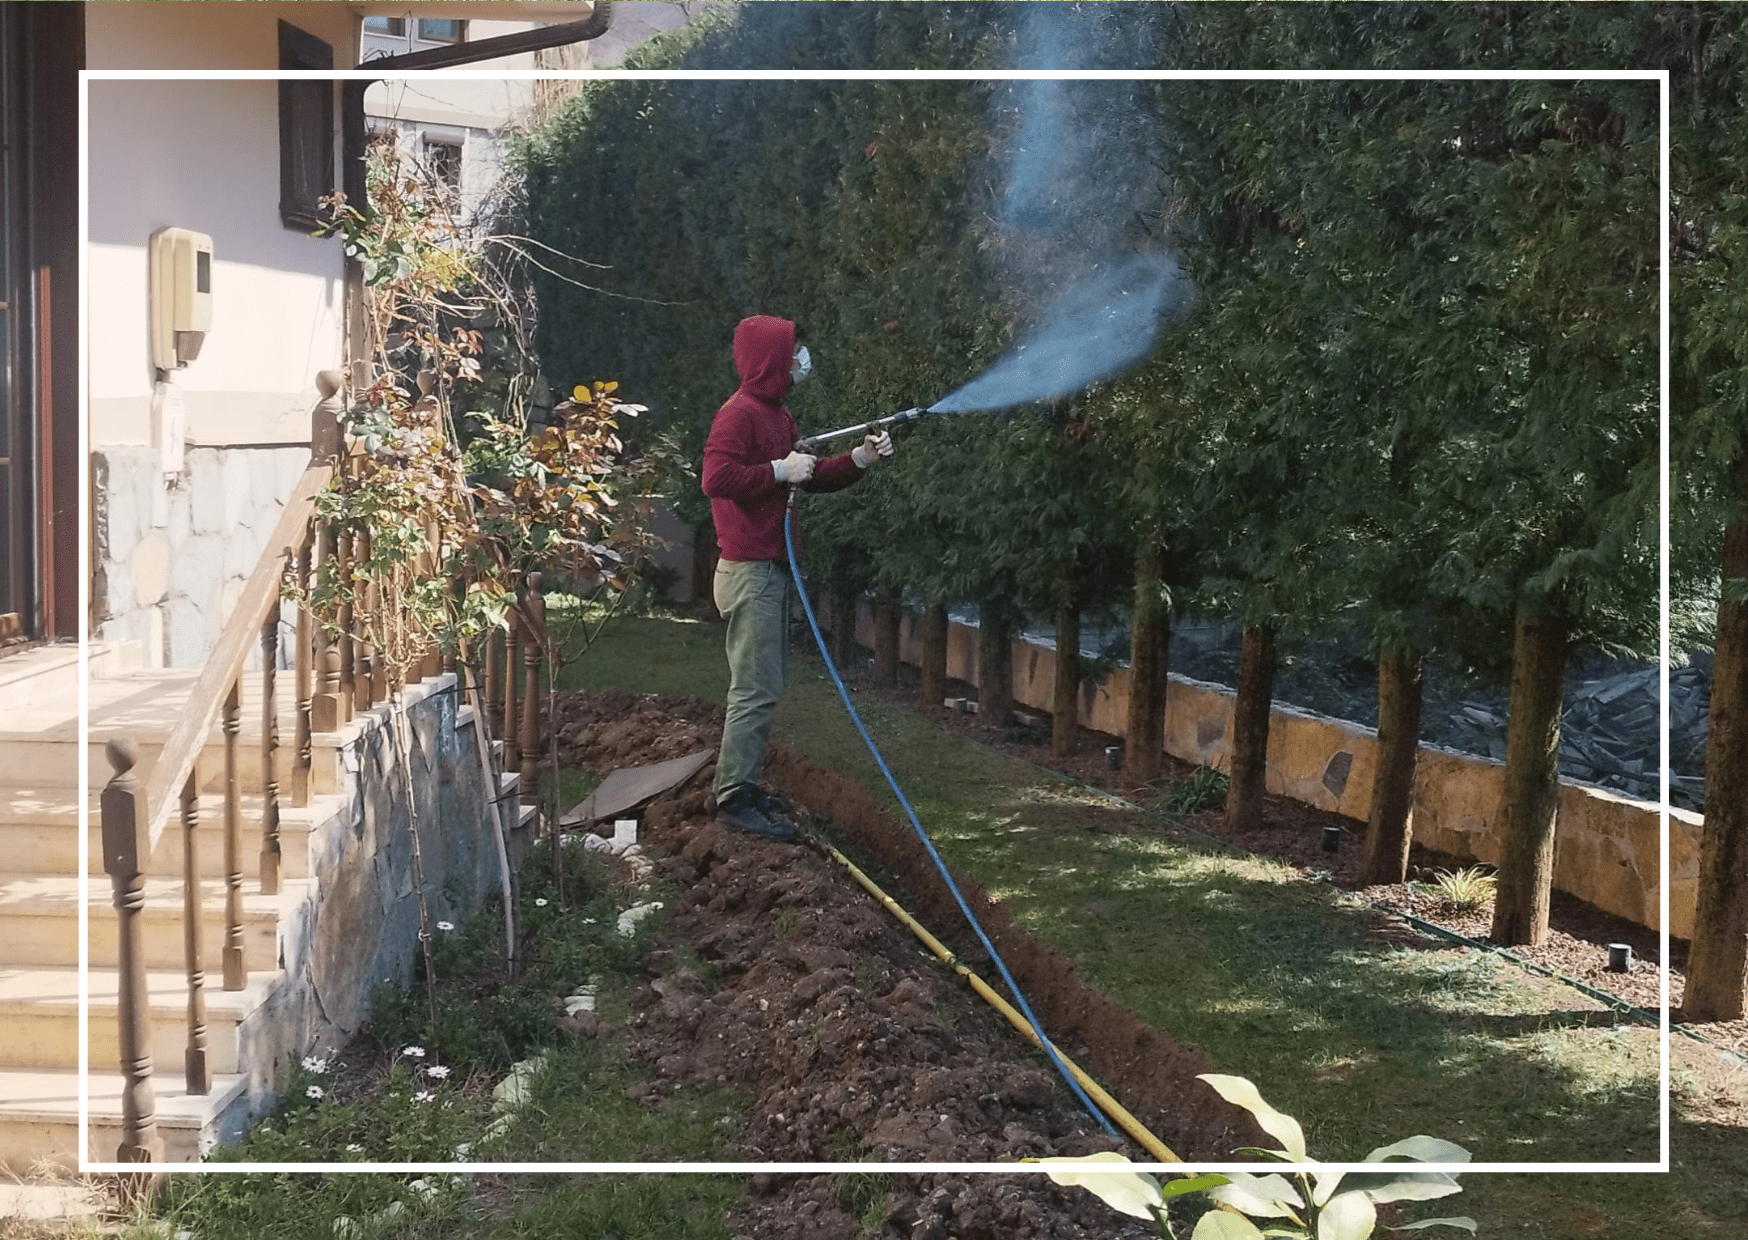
<point>750,431</point>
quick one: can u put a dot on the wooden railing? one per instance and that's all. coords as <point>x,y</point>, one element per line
<point>333,679</point>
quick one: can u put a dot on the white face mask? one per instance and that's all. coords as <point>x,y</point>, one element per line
<point>803,365</point>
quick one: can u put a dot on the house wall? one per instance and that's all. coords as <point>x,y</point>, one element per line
<point>171,549</point>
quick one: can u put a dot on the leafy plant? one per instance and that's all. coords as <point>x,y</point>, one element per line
<point>1206,789</point>
<point>1468,890</point>
<point>1317,1205</point>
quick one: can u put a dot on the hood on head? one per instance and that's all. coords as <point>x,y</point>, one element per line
<point>764,349</point>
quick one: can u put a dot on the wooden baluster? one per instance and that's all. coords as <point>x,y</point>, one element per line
<point>512,720</point>
<point>270,752</point>
<point>365,673</point>
<point>305,676</point>
<point>236,974</point>
<point>328,707</point>
<point>531,693</point>
<point>197,1070</point>
<point>379,657</point>
<point>494,694</point>
<point>345,547</point>
<point>125,846</point>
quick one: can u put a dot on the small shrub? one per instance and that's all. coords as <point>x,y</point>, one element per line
<point>1203,790</point>
<point>1468,890</point>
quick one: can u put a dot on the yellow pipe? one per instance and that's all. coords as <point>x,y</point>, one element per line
<point>1127,1122</point>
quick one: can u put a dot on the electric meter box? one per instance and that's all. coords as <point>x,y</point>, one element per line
<point>181,295</point>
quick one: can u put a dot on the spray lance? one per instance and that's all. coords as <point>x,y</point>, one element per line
<point>811,444</point>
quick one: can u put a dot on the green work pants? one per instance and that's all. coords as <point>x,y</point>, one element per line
<point>754,596</point>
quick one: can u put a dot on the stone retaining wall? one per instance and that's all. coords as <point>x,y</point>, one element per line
<point>357,926</point>
<point>1606,849</point>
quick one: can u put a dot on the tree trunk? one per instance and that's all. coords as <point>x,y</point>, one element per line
<point>1149,644</point>
<point>887,615</point>
<point>1387,826</point>
<point>995,639</point>
<point>1065,711</point>
<point>934,669</point>
<point>843,630</point>
<point>1531,800</point>
<point>1717,964</point>
<point>1250,728</point>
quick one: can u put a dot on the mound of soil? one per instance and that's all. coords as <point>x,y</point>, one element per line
<point>855,1042</point>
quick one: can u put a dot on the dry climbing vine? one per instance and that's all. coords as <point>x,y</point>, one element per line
<point>443,507</point>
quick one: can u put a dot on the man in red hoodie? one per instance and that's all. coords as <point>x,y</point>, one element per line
<point>750,464</point>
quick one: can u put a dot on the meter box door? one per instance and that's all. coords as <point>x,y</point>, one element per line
<point>181,293</point>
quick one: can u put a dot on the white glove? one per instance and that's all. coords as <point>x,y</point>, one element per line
<point>796,467</point>
<point>871,449</point>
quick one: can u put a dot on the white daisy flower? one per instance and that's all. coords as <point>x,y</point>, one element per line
<point>314,1091</point>
<point>438,1071</point>
<point>417,1052</point>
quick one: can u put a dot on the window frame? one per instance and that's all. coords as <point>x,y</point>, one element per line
<point>306,131</point>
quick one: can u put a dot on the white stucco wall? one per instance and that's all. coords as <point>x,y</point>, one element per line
<point>204,155</point>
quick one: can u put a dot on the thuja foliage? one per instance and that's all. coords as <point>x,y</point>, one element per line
<point>1416,392</point>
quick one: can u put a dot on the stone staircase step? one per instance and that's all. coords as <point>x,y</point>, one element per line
<point>39,833</point>
<point>46,678</point>
<point>39,1117</point>
<point>42,922</point>
<point>39,1018</point>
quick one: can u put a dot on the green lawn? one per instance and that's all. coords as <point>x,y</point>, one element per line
<point>1275,977</point>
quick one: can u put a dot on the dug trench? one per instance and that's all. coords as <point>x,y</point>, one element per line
<point>855,1043</point>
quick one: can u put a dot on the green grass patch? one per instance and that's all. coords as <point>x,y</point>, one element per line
<point>1277,978</point>
<point>494,1080</point>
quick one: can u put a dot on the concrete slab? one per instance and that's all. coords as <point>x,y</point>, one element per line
<point>631,786</point>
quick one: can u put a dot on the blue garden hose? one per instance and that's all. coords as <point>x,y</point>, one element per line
<point>916,824</point>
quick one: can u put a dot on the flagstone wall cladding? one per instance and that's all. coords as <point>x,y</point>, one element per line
<point>169,559</point>
<point>1607,847</point>
<point>358,926</point>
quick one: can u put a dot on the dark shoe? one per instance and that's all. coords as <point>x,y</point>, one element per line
<point>773,807</point>
<point>742,812</point>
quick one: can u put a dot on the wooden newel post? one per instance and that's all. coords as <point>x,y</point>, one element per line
<point>125,850</point>
<point>531,691</point>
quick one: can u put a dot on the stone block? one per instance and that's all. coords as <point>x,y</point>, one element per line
<point>179,518</point>
<point>238,501</point>
<point>188,632</point>
<point>289,465</point>
<point>206,490</point>
<point>149,569</point>
<point>242,552</point>
<point>263,467</point>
